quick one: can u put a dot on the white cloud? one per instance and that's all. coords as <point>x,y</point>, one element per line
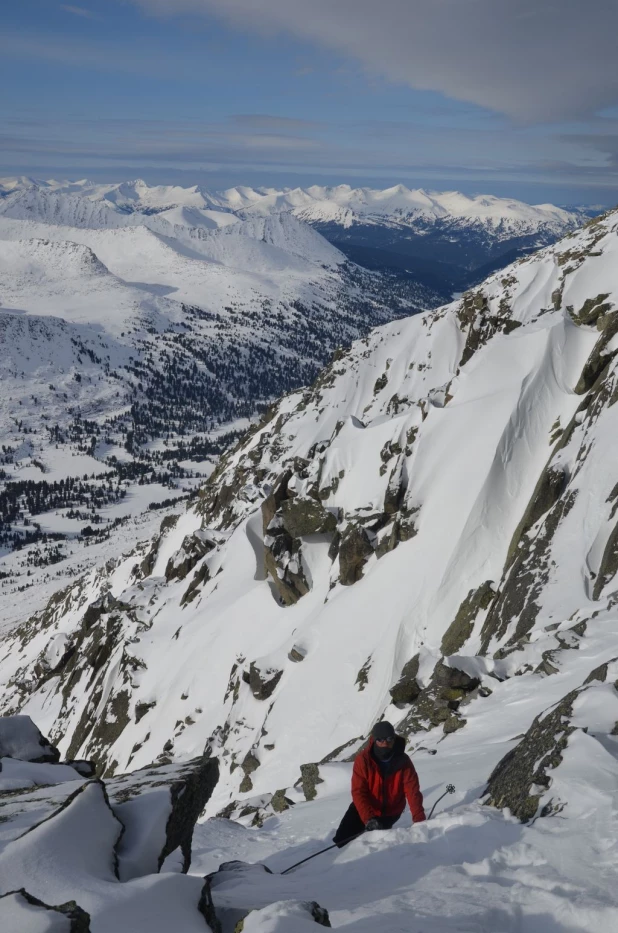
<point>535,60</point>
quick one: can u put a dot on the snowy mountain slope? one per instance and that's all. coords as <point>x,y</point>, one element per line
<point>444,489</point>
<point>191,224</point>
<point>427,533</point>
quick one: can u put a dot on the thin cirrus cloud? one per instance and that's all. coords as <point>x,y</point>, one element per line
<point>533,60</point>
<point>79,11</point>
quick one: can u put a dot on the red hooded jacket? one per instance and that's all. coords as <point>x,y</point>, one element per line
<point>376,794</point>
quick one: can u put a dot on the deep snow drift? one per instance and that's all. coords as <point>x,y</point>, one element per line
<point>428,534</point>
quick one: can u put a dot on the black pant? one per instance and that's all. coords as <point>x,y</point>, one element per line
<point>352,825</point>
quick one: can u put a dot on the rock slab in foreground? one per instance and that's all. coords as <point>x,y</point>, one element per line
<point>20,738</point>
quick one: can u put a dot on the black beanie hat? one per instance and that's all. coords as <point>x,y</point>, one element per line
<point>383,730</point>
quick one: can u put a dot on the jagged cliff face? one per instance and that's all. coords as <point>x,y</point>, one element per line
<point>436,514</point>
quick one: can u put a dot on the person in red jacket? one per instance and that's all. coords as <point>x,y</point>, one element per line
<point>383,779</point>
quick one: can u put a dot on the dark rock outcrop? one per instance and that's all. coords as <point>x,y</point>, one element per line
<point>249,764</point>
<point>528,564</point>
<point>283,562</point>
<point>194,547</point>
<point>354,550</point>
<point>309,778</point>
<point>520,779</point>
<point>439,702</point>
<point>305,516</point>
<point>201,576</point>
<point>277,495</point>
<point>461,627</point>
<point>407,690</point>
<point>263,682</point>
<point>609,564</point>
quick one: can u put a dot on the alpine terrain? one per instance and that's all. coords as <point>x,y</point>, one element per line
<point>428,534</point>
<point>136,344</point>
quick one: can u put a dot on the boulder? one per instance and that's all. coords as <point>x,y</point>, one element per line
<point>297,654</point>
<point>83,766</point>
<point>249,898</point>
<point>279,802</point>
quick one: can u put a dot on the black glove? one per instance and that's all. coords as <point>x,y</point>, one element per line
<point>374,823</point>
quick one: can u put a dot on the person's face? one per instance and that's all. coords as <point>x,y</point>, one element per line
<point>385,743</point>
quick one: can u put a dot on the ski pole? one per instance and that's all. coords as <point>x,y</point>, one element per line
<point>327,849</point>
<point>450,789</point>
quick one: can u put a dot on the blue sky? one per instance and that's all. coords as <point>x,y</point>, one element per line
<point>287,92</point>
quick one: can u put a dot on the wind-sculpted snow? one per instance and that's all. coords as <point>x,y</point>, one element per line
<point>427,533</point>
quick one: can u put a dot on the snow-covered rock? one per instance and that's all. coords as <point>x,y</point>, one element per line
<point>80,856</point>
<point>20,911</point>
<point>21,738</point>
<point>158,807</point>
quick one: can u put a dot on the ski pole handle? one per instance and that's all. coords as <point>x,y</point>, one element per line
<point>450,789</point>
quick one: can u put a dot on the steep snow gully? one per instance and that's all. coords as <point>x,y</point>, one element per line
<point>427,534</point>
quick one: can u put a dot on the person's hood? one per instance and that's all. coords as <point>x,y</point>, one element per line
<point>399,747</point>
